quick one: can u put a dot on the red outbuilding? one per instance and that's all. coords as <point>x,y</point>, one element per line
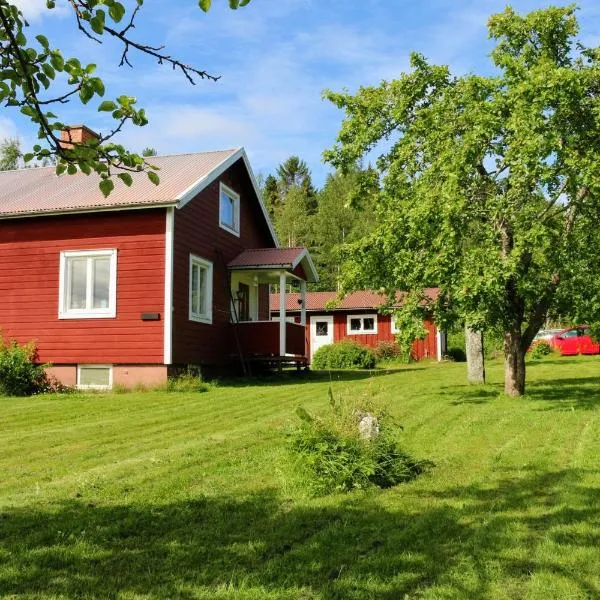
<point>357,316</point>
<point>121,290</point>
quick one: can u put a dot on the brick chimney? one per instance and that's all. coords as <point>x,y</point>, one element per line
<point>76,134</point>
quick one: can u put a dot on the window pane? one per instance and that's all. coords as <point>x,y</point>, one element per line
<point>354,324</point>
<point>369,324</point>
<point>94,376</point>
<point>77,270</point>
<point>321,328</point>
<point>195,280</point>
<point>202,291</point>
<point>101,282</point>
<point>227,210</point>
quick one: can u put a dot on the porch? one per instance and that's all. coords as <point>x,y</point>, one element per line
<point>255,337</point>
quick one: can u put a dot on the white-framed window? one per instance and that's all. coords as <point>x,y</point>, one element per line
<point>201,289</point>
<point>94,377</point>
<point>87,284</point>
<point>393,324</point>
<point>229,209</point>
<point>359,324</point>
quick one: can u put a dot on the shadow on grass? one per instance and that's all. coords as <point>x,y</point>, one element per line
<point>581,393</point>
<point>457,541</point>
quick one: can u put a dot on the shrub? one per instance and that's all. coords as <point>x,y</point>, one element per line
<point>19,375</point>
<point>541,349</point>
<point>334,457</point>
<point>387,350</point>
<point>188,382</point>
<point>344,355</point>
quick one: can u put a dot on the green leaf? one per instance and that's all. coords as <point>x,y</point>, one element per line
<point>106,187</point>
<point>153,177</point>
<point>116,12</point>
<point>43,40</point>
<point>126,178</point>
<point>233,4</point>
<point>50,72</point>
<point>71,169</point>
<point>204,4</point>
<point>61,168</point>
<point>28,157</point>
<point>107,106</point>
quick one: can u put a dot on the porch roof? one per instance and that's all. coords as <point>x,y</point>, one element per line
<point>286,259</point>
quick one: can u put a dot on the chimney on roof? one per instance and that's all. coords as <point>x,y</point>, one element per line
<point>72,135</point>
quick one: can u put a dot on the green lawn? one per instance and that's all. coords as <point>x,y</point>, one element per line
<point>182,496</point>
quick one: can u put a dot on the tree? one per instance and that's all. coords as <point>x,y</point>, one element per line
<point>292,219</point>
<point>491,186</point>
<point>10,152</point>
<point>149,152</point>
<point>36,79</point>
<point>271,194</point>
<point>294,173</point>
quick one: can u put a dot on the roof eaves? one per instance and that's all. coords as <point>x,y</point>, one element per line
<point>84,210</point>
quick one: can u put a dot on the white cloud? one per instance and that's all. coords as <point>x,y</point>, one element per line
<point>36,9</point>
<point>7,129</point>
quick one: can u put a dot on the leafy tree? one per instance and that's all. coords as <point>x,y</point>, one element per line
<point>344,215</point>
<point>491,186</point>
<point>149,152</point>
<point>10,152</point>
<point>292,219</point>
<point>37,79</point>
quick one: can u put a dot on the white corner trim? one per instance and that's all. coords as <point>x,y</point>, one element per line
<point>99,313</point>
<point>168,306</point>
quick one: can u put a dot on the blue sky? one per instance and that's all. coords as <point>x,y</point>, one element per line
<point>275,58</point>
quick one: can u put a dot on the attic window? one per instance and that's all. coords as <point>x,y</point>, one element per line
<point>229,210</point>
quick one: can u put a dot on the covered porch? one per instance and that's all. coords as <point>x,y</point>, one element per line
<point>255,337</point>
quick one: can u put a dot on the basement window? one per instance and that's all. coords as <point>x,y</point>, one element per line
<point>359,324</point>
<point>94,377</point>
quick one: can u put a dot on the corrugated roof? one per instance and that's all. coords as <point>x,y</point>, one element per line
<point>268,257</point>
<point>364,299</point>
<point>40,191</point>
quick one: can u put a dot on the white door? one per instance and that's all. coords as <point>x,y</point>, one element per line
<point>321,332</point>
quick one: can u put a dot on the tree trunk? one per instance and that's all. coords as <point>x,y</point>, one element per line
<point>514,364</point>
<point>475,355</point>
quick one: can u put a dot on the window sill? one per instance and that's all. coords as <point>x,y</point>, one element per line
<point>229,229</point>
<point>199,319</point>
<point>87,315</point>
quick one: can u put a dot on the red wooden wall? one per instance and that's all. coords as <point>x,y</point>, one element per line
<point>197,232</point>
<point>426,348</point>
<point>29,281</point>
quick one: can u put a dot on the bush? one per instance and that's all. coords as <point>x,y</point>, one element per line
<point>19,375</point>
<point>334,457</point>
<point>540,349</point>
<point>388,350</point>
<point>188,382</point>
<point>344,355</point>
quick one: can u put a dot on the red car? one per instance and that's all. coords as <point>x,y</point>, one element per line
<point>575,340</point>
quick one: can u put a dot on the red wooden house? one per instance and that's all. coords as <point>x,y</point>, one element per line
<point>125,288</point>
<point>356,317</point>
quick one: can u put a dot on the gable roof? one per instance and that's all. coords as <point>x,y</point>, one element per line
<point>39,191</point>
<point>275,258</point>
<point>318,301</point>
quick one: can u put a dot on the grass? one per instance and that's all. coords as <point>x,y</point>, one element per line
<point>181,495</point>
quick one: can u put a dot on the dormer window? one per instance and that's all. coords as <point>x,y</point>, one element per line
<point>229,210</point>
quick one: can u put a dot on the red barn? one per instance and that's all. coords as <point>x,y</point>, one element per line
<point>126,288</point>
<point>356,317</point>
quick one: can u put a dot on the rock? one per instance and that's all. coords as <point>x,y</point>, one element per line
<point>368,426</point>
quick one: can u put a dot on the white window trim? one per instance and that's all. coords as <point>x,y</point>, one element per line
<point>393,326</point>
<point>236,209</point>
<point>95,387</point>
<point>361,331</point>
<point>206,317</point>
<point>97,313</point>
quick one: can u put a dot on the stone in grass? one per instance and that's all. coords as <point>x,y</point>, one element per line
<point>368,425</point>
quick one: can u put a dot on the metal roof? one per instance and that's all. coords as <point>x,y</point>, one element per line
<point>38,191</point>
<point>275,258</point>
<point>361,300</point>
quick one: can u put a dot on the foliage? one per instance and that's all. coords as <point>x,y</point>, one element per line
<point>387,350</point>
<point>457,354</point>
<point>335,457</point>
<point>491,189</point>
<point>37,79</point>
<point>409,327</point>
<point>19,374</point>
<point>148,151</point>
<point>540,350</point>
<point>292,218</point>
<point>188,382</point>
<point>346,354</point>
<point>10,152</point>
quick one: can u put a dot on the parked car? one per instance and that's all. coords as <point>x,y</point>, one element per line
<point>545,335</point>
<point>575,340</point>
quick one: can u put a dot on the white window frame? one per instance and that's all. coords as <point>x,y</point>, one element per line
<point>207,316</point>
<point>362,330</point>
<point>235,230</point>
<point>110,312</point>
<point>95,387</point>
<point>394,328</point>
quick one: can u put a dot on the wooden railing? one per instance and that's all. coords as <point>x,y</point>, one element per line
<point>261,338</point>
